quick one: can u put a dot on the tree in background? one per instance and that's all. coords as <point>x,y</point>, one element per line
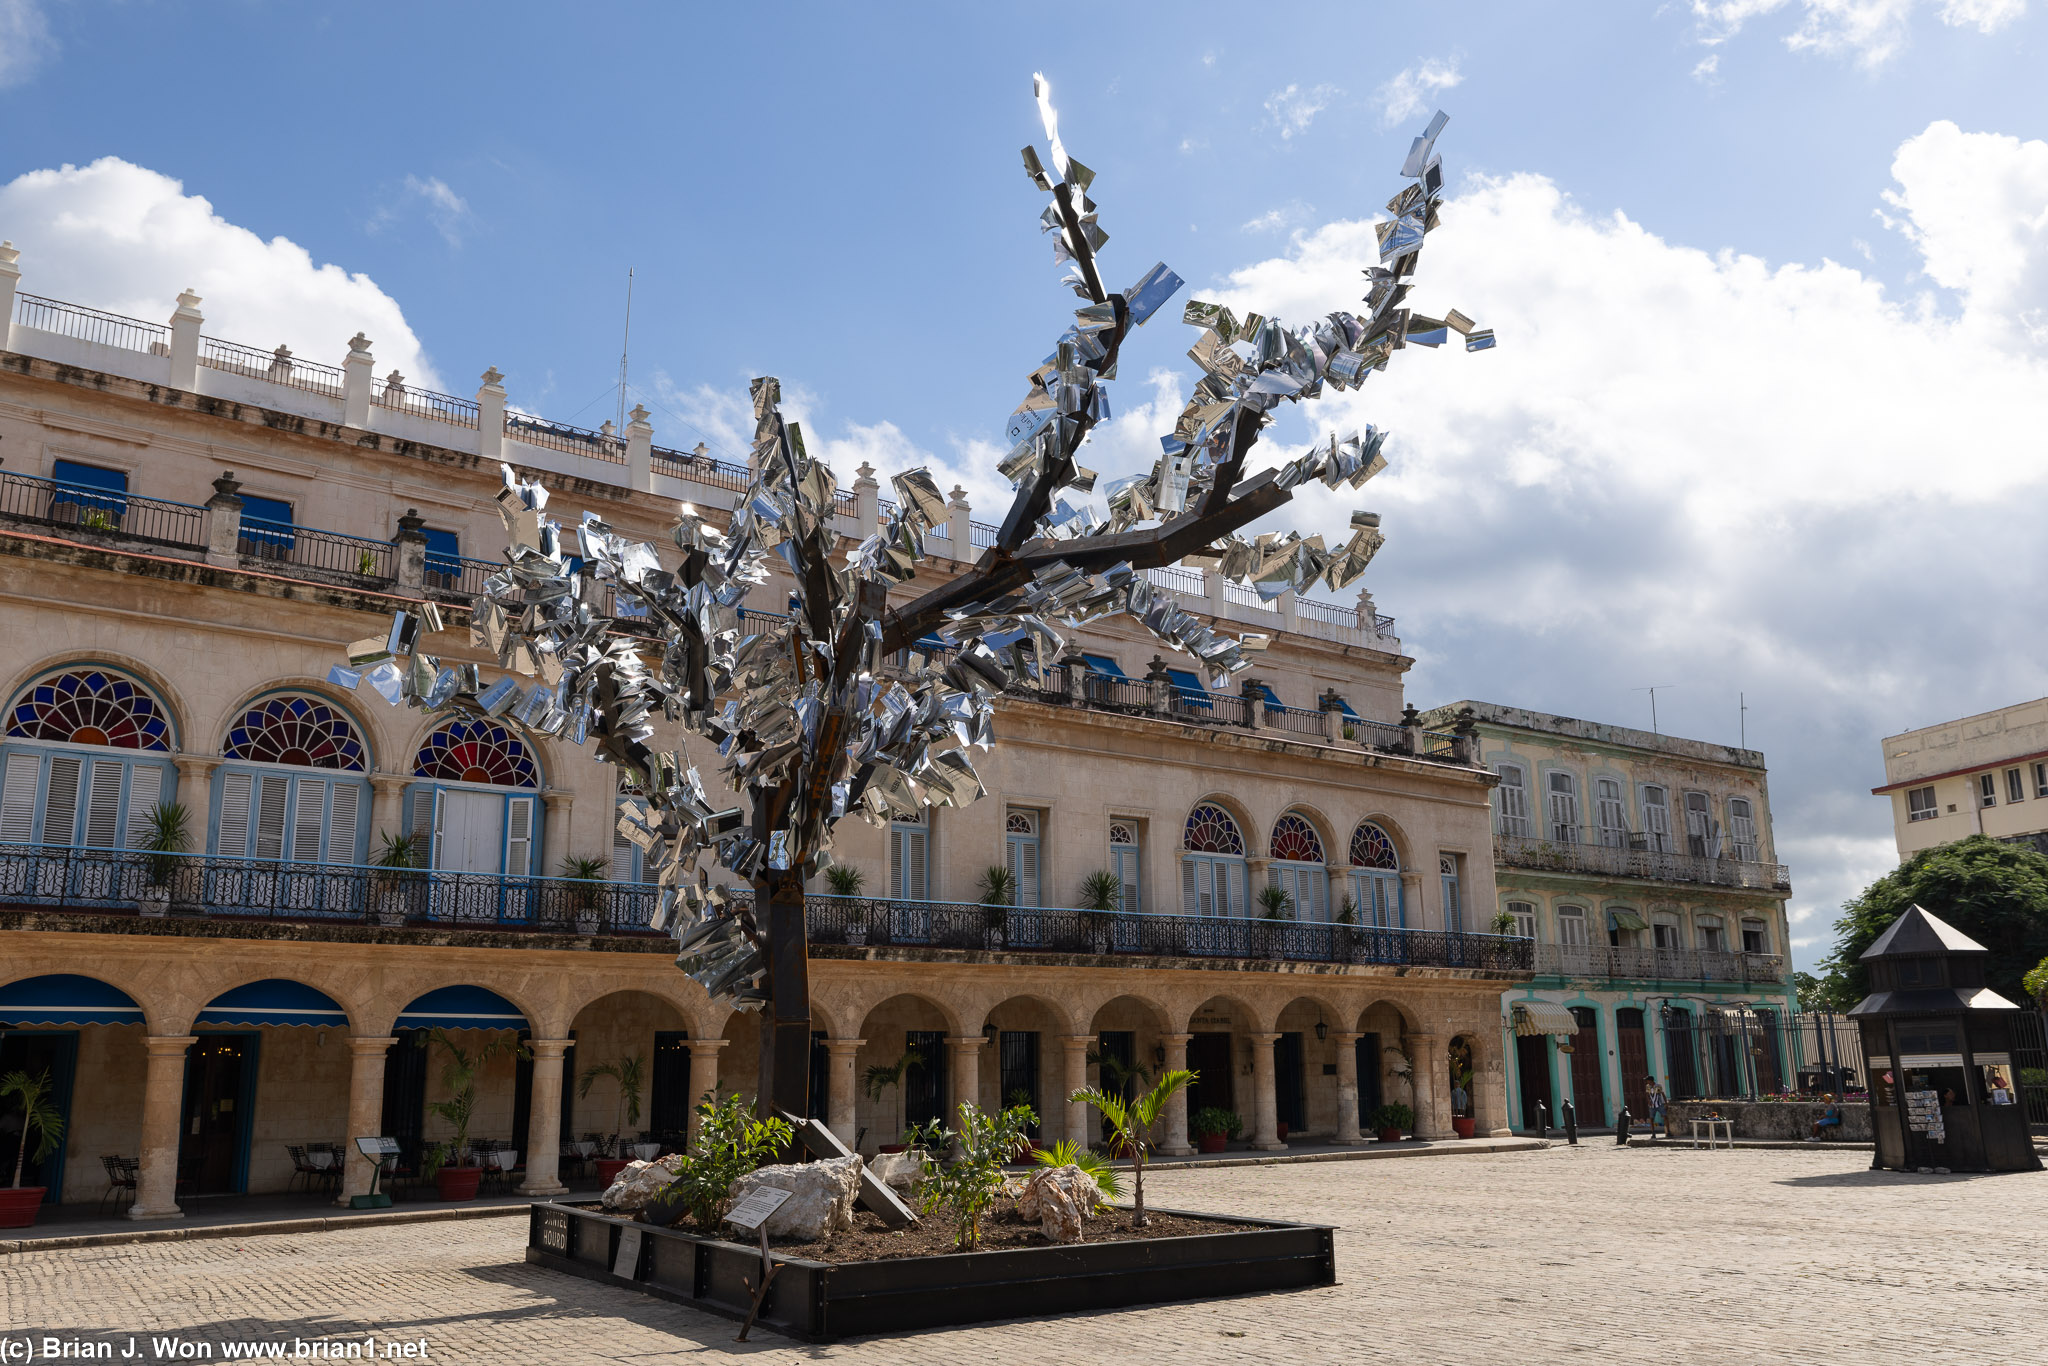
<point>1994,892</point>
<point>1823,993</point>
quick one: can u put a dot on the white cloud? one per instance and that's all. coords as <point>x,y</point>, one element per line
<point>1784,480</point>
<point>1412,91</point>
<point>446,210</point>
<point>118,236</point>
<point>1293,109</point>
<point>1279,219</point>
<point>1709,66</point>
<point>1871,31</point>
<point>25,40</point>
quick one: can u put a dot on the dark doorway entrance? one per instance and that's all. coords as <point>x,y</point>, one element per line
<point>1770,1080</point>
<point>220,1074</point>
<point>1588,1061</point>
<point>1635,1063</point>
<point>1532,1070</point>
<point>668,1101</point>
<point>1368,1079</point>
<point>1290,1092</point>
<point>821,1075</point>
<point>1017,1051</point>
<point>1209,1058</point>
<point>924,1082</point>
<point>1679,1054</point>
<point>37,1053</point>
<point>1116,1054</point>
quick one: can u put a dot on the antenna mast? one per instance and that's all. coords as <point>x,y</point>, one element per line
<point>1742,702</point>
<point>625,345</point>
<point>1652,691</point>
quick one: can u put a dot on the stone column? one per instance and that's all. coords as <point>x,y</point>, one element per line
<point>1412,914</point>
<point>1174,1141</point>
<point>1290,614</point>
<point>639,450</point>
<point>195,794</point>
<point>1265,1101</point>
<point>960,526</point>
<point>841,1094</point>
<point>965,1051</point>
<point>387,791</point>
<point>163,1110</point>
<point>365,1113</point>
<point>185,324</point>
<point>866,501</point>
<point>1490,1092</point>
<point>1430,1093</point>
<point>543,1137</point>
<point>1077,1046</point>
<point>411,549</point>
<point>357,379</point>
<point>554,835</point>
<point>224,522</point>
<point>1411,730</point>
<point>490,415</point>
<point>1347,1087</point>
<point>703,1076</point>
<point>10,279</point>
<point>1254,694</point>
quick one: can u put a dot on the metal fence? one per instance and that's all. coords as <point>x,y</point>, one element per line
<point>1615,860</point>
<point>1297,721</point>
<point>91,325</point>
<point>701,469</point>
<point>1746,1054</point>
<point>82,507</point>
<point>561,436</point>
<point>462,412</point>
<point>1657,965</point>
<point>282,543</point>
<point>279,366</point>
<point>457,576</point>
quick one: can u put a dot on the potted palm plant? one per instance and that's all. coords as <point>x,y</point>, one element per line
<point>588,875</point>
<point>880,1078</point>
<point>1102,895</point>
<point>1275,903</point>
<point>1215,1127</point>
<point>455,1174</point>
<point>398,861</point>
<point>631,1074</point>
<point>1504,923</point>
<point>1392,1120</point>
<point>1130,1124</point>
<point>19,1203</point>
<point>847,881</point>
<point>998,888</point>
<point>164,838</point>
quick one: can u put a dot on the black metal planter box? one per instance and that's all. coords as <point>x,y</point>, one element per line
<point>826,1301</point>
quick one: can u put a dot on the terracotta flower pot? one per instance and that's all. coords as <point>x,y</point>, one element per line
<point>18,1205</point>
<point>608,1169</point>
<point>893,1148</point>
<point>1211,1143</point>
<point>458,1183</point>
<point>1283,1131</point>
<point>1390,1135</point>
<point>1464,1125</point>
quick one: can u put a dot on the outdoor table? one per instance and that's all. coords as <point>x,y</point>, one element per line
<point>647,1152</point>
<point>317,1157</point>
<point>1724,1128</point>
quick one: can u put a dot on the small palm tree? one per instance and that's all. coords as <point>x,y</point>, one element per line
<point>998,886</point>
<point>165,836</point>
<point>1275,903</point>
<point>459,1075</point>
<point>586,871</point>
<point>631,1075</point>
<point>1102,890</point>
<point>38,1112</point>
<point>845,880</point>
<point>1068,1153</point>
<point>1131,1120</point>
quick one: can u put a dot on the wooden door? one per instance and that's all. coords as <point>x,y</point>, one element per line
<point>211,1150</point>
<point>1209,1058</point>
<point>1635,1063</point>
<point>1289,1084</point>
<point>1587,1057</point>
<point>1532,1070</point>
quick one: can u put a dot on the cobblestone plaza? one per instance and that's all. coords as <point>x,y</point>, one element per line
<point>1567,1253</point>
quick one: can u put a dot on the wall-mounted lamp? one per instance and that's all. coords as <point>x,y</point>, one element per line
<point>1159,1055</point>
<point>988,1031</point>
<point>1322,1030</point>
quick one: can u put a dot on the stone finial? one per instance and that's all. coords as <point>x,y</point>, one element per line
<point>1410,716</point>
<point>1157,668</point>
<point>227,486</point>
<point>958,495</point>
<point>1467,722</point>
<point>359,345</point>
<point>411,525</point>
<point>700,450</point>
<point>639,415</point>
<point>188,303</point>
<point>9,253</point>
<point>605,428</point>
<point>395,380</point>
<point>864,473</point>
<point>492,379</point>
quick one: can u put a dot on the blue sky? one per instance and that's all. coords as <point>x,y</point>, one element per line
<point>1757,265</point>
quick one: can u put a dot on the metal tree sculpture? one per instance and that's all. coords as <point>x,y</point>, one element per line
<point>809,725</point>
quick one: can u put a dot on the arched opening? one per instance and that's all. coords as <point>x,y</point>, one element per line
<point>1298,867</point>
<point>1305,1068</point>
<point>1463,1061</point>
<point>904,1071</point>
<point>1127,1055</point>
<point>1022,1064</point>
<point>1385,1067</point>
<point>630,1085</point>
<point>1375,878</point>
<point>87,1035</point>
<point>292,785</point>
<point>1212,866</point>
<point>473,808</point>
<point>266,1090</point>
<point>473,1020</point>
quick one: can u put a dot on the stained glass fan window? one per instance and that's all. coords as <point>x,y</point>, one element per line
<point>89,707</point>
<point>1210,830</point>
<point>1370,848</point>
<point>302,731</point>
<point>1296,840</point>
<point>476,750</point>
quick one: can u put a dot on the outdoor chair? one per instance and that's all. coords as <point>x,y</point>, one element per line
<point>570,1157</point>
<point>120,1180</point>
<point>305,1169</point>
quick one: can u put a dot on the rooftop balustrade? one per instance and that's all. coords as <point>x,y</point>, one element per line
<point>1657,965</point>
<point>1629,861</point>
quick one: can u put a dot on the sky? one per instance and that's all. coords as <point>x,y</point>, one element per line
<point>1770,279</point>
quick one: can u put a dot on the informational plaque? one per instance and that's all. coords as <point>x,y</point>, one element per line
<point>627,1262</point>
<point>753,1211</point>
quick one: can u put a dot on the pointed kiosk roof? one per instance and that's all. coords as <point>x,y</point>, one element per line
<point>1919,932</point>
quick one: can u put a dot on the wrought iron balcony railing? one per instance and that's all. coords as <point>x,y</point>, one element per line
<point>1607,860</point>
<point>1657,965</point>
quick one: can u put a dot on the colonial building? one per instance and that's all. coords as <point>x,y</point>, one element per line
<point>1643,867</point>
<point>192,530</point>
<point>1982,775</point>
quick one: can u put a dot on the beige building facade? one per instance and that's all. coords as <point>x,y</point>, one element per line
<point>191,531</point>
<point>1980,775</point>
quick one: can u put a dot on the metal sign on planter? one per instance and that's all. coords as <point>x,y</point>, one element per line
<point>627,1262</point>
<point>753,1211</point>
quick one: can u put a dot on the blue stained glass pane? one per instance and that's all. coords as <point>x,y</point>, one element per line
<point>439,740</point>
<point>297,706</point>
<point>96,681</point>
<point>46,695</point>
<point>123,689</point>
<point>67,685</point>
<point>238,737</point>
<point>142,706</point>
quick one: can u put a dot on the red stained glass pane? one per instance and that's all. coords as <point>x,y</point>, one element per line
<point>1370,848</point>
<point>474,750</point>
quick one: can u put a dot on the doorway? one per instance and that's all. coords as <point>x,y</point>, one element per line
<point>472,832</point>
<point>220,1077</point>
<point>668,1095</point>
<point>1209,1058</point>
<point>1290,1098</point>
<point>1588,1062</point>
<point>36,1052</point>
<point>1635,1062</point>
<point>1532,1070</point>
<point>924,1081</point>
<point>1368,1049</point>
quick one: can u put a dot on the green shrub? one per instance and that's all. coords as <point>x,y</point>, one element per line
<point>968,1184</point>
<point>1211,1120</point>
<point>730,1143</point>
<point>1393,1115</point>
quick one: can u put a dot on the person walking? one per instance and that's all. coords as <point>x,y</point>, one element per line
<point>1658,1104</point>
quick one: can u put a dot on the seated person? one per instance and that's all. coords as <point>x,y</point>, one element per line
<point>1830,1118</point>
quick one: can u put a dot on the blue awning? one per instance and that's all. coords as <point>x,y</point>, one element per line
<point>463,1007</point>
<point>1272,698</point>
<point>1104,665</point>
<point>273,1001</point>
<point>64,998</point>
<point>1189,687</point>
<point>1345,707</point>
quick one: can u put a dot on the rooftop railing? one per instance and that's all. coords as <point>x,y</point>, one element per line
<point>1607,860</point>
<point>279,366</point>
<point>561,436</point>
<point>269,545</point>
<point>701,469</point>
<point>91,325</point>
<point>1657,965</point>
<point>462,412</point>
<point>72,508</point>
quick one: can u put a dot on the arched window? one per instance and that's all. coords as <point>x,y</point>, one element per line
<point>86,758</point>
<point>1449,869</point>
<point>1021,854</point>
<point>473,812</point>
<point>1376,878</point>
<point>910,857</point>
<point>1212,870</point>
<point>263,811</point>
<point>1125,862</point>
<point>1297,868</point>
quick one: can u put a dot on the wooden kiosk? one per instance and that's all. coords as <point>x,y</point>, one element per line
<point>1937,1044</point>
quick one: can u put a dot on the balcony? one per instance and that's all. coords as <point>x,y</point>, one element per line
<point>312,894</point>
<point>1609,860</point>
<point>1657,965</point>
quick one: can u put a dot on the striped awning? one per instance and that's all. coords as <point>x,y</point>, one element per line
<point>273,1001</point>
<point>1543,1017</point>
<point>461,1007</point>
<point>1625,920</point>
<point>63,998</point>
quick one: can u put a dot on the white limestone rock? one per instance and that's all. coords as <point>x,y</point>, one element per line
<point>820,1201</point>
<point>638,1182</point>
<point>1061,1199</point>
<point>900,1172</point>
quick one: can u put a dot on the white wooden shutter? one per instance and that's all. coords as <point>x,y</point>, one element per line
<point>426,825</point>
<point>1190,897</point>
<point>18,798</point>
<point>621,869</point>
<point>518,836</point>
<point>1613,820</point>
<point>234,815</point>
<point>341,823</point>
<point>1564,808</point>
<point>1657,819</point>
<point>1514,802</point>
<point>103,807</point>
<point>914,864</point>
<point>145,790</point>
<point>1023,860</point>
<point>1124,863</point>
<point>307,820</point>
<point>270,802</point>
